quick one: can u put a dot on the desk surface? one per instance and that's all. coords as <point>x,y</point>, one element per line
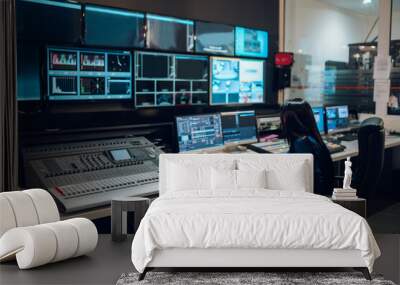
<point>352,147</point>
<point>350,151</point>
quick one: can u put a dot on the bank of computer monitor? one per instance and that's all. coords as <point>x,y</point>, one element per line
<point>337,118</point>
<point>319,118</point>
<point>251,42</point>
<point>169,33</point>
<point>236,81</point>
<point>215,38</point>
<point>239,127</point>
<point>113,27</point>
<point>86,74</point>
<point>197,133</point>
<point>165,79</point>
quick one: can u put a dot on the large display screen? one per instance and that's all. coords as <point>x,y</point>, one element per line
<point>239,127</point>
<point>319,118</point>
<point>236,81</point>
<point>168,33</point>
<point>49,21</point>
<point>215,38</point>
<point>164,79</point>
<point>38,24</point>
<point>83,74</point>
<point>113,27</point>
<point>337,117</point>
<point>250,42</point>
<point>199,132</point>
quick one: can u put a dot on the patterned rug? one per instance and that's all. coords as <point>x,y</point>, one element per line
<point>243,278</point>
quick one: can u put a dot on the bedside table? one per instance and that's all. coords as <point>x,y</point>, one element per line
<point>357,205</point>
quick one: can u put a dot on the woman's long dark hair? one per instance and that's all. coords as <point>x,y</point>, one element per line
<point>297,120</point>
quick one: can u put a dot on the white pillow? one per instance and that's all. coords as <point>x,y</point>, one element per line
<point>226,179</point>
<point>187,176</point>
<point>223,179</point>
<point>280,175</point>
<point>293,179</point>
<point>183,177</point>
<point>251,178</point>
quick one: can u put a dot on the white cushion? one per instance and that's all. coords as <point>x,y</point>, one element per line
<point>67,240</point>
<point>282,175</point>
<point>187,177</point>
<point>223,179</point>
<point>34,244</point>
<point>251,178</point>
<point>184,176</point>
<point>7,218</point>
<point>40,244</point>
<point>45,206</point>
<point>291,180</point>
<point>23,208</point>
<point>87,234</point>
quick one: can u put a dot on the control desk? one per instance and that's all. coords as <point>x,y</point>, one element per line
<point>88,174</point>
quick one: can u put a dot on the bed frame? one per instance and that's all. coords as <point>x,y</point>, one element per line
<point>243,259</point>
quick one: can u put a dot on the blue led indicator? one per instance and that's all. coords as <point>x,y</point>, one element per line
<point>54,3</point>
<point>114,11</point>
<point>169,19</point>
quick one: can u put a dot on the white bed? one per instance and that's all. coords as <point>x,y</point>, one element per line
<point>197,222</point>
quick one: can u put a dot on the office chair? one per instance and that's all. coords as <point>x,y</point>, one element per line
<point>371,150</point>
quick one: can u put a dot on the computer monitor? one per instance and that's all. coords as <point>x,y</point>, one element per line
<point>39,23</point>
<point>49,21</point>
<point>236,81</point>
<point>199,132</point>
<point>251,42</point>
<point>337,118</point>
<point>215,38</point>
<point>239,127</point>
<point>319,118</point>
<point>113,27</point>
<point>86,74</point>
<point>168,33</point>
<point>165,79</point>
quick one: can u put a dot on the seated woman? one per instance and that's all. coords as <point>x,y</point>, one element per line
<point>300,130</point>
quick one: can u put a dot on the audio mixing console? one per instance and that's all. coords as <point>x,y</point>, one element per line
<point>88,174</point>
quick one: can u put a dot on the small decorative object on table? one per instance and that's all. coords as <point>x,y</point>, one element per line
<point>346,193</point>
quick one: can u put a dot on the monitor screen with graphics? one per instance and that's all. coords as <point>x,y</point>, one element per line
<point>214,38</point>
<point>319,118</point>
<point>113,27</point>
<point>239,127</point>
<point>168,33</point>
<point>337,117</point>
<point>236,81</point>
<point>166,79</point>
<point>199,132</point>
<point>250,42</point>
<point>88,74</point>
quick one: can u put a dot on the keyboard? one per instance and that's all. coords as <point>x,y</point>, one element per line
<point>348,137</point>
<point>334,147</point>
<point>281,146</point>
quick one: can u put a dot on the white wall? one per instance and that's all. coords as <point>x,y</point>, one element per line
<point>316,32</point>
<point>323,30</point>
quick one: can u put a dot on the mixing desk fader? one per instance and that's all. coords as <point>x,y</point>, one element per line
<point>88,174</point>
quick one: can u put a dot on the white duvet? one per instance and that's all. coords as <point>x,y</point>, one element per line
<point>250,219</point>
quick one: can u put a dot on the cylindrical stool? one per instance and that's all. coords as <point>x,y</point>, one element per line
<point>119,209</point>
